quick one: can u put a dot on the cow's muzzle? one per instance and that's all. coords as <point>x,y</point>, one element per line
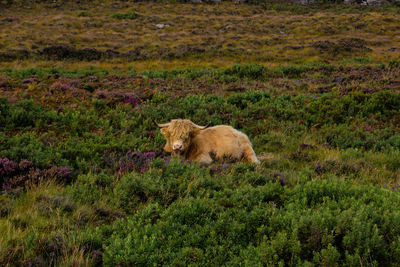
<point>178,147</point>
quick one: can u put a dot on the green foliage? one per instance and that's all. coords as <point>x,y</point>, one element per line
<point>319,221</point>
<point>4,111</point>
<point>84,180</point>
<point>41,73</point>
<point>292,71</point>
<point>29,146</point>
<point>253,71</point>
<point>129,203</point>
<point>134,190</point>
<point>26,114</point>
<point>341,120</point>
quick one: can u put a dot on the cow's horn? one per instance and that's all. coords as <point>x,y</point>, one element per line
<point>202,127</point>
<point>161,125</point>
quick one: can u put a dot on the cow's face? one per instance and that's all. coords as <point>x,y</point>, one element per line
<point>179,134</point>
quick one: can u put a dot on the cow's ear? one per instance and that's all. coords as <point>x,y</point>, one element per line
<point>195,132</point>
<point>197,129</point>
<point>164,131</point>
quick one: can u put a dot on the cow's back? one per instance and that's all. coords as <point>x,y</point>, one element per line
<point>222,141</point>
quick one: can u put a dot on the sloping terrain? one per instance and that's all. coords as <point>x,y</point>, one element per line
<point>168,35</point>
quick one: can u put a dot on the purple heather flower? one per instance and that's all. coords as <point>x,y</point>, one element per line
<point>29,80</point>
<point>7,166</point>
<point>227,116</point>
<point>133,160</point>
<point>62,86</point>
<point>283,180</point>
<point>150,154</point>
<point>318,167</point>
<point>93,78</point>
<point>24,164</point>
<point>6,187</point>
<point>367,128</point>
<point>64,171</point>
<point>133,100</point>
<point>58,236</point>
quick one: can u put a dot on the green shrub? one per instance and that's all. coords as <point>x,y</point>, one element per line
<point>29,146</point>
<point>27,114</point>
<point>174,178</point>
<point>318,221</point>
<point>384,105</point>
<point>243,100</point>
<point>4,111</point>
<point>251,72</point>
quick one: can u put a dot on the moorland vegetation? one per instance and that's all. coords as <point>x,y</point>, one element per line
<point>84,180</point>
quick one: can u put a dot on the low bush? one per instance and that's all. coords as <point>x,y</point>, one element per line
<point>84,138</point>
<point>116,198</point>
<point>14,175</point>
<point>314,222</point>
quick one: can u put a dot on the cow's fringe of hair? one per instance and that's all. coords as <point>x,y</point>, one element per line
<point>181,128</point>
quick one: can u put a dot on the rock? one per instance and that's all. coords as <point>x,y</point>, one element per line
<point>351,2</point>
<point>376,2</point>
<point>161,26</point>
<point>197,1</point>
<point>304,2</point>
<point>227,28</point>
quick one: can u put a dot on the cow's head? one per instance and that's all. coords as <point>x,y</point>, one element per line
<point>179,134</point>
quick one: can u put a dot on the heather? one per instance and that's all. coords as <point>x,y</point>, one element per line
<point>84,180</point>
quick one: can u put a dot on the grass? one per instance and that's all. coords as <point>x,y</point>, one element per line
<point>230,34</point>
<point>31,220</point>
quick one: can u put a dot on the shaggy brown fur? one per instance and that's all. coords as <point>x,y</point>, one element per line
<point>205,145</point>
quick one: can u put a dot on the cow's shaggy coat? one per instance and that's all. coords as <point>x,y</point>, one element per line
<point>201,144</point>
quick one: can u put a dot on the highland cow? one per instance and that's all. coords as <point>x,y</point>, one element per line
<point>205,145</point>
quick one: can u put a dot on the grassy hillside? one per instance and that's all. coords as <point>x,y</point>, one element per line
<point>125,34</point>
<point>83,177</point>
